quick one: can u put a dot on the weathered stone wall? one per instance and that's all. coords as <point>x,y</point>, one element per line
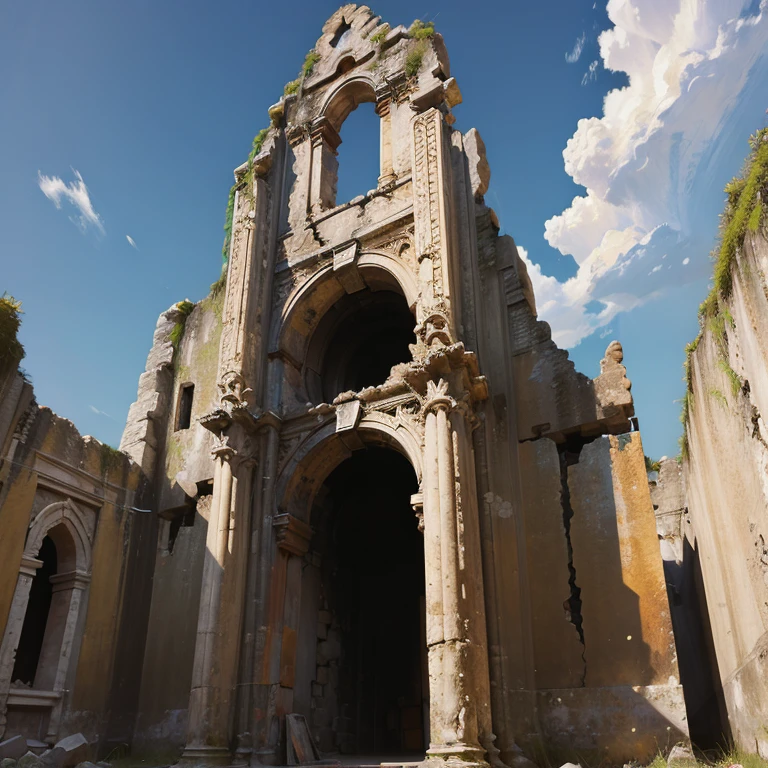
<point>580,635</point>
<point>726,478</point>
<point>182,472</point>
<point>54,482</point>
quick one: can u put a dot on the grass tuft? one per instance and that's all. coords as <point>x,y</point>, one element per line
<point>414,58</point>
<point>733,378</point>
<point>421,30</point>
<point>743,201</point>
<point>177,332</point>
<point>11,349</point>
<point>292,87</point>
<point>309,63</point>
<point>377,38</point>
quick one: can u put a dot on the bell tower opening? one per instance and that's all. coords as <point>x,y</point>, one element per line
<point>357,342</point>
<point>370,695</point>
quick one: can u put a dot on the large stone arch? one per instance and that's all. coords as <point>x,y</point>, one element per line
<point>323,450</point>
<point>309,303</point>
<point>346,97</point>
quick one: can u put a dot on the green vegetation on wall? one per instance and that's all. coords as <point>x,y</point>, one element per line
<point>11,350</point>
<point>177,332</point>
<point>744,211</point>
<point>246,184</point>
<point>421,32</point>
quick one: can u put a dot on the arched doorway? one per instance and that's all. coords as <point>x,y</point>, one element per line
<point>369,692</point>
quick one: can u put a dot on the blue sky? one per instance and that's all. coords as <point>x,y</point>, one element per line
<point>123,120</point>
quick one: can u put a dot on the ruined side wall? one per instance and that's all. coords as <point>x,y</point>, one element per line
<point>182,472</point>
<point>727,490</point>
<point>47,467</point>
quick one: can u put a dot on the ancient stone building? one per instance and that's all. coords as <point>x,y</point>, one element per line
<point>383,499</point>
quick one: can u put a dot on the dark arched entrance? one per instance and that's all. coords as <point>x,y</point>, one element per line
<point>366,577</point>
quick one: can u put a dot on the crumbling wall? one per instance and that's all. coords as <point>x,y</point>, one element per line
<point>182,478</point>
<point>726,477</point>
<point>582,653</point>
<point>52,476</point>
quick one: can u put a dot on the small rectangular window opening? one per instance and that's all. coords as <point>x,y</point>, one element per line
<point>184,418</point>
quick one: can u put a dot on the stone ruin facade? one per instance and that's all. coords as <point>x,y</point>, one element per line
<point>381,498</point>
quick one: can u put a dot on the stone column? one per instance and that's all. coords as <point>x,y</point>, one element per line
<point>383,110</point>
<point>456,694</point>
<point>60,636</point>
<point>27,571</point>
<point>214,674</point>
<point>324,168</point>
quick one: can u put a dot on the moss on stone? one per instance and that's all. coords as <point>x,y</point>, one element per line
<point>177,332</point>
<point>309,63</point>
<point>109,459</point>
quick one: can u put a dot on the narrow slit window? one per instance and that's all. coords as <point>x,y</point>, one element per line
<point>184,419</point>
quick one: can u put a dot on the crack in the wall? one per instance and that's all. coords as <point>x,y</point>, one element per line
<point>569,455</point>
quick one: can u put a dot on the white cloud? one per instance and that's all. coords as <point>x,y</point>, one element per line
<point>691,65</point>
<point>101,413</point>
<point>591,73</point>
<point>76,193</point>
<point>578,47</point>
<point>131,242</point>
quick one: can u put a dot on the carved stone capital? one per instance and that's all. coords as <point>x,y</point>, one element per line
<point>293,535</point>
<point>222,449</point>
<point>438,397</point>
<point>233,389</point>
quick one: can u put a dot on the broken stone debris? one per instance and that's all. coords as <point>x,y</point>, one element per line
<point>67,753</point>
<point>13,748</point>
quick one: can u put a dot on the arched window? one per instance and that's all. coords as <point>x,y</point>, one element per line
<point>358,154</point>
<point>349,115</point>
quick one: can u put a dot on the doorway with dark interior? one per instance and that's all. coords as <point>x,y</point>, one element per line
<point>372,594</point>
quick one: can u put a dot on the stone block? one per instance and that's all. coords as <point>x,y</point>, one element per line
<point>38,747</point>
<point>322,675</point>
<point>67,753</point>
<point>681,756</point>
<point>322,630</point>
<point>29,760</point>
<point>8,762</point>
<point>13,748</point>
<point>317,690</point>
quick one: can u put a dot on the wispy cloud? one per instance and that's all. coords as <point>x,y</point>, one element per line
<point>591,72</point>
<point>76,193</point>
<point>648,162</point>
<point>131,242</point>
<point>101,413</point>
<point>578,47</point>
